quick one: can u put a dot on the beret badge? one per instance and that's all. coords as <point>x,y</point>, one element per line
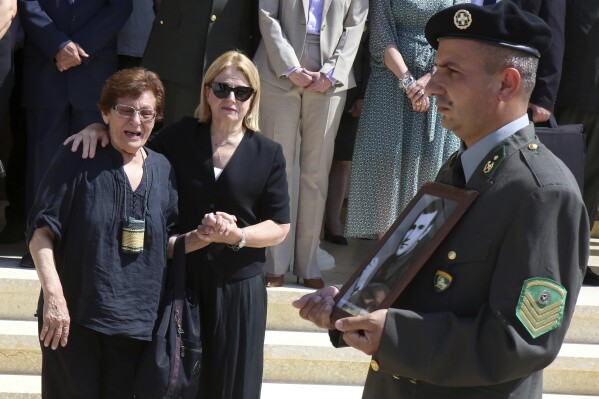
<point>462,19</point>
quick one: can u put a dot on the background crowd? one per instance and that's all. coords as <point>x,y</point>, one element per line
<point>55,61</point>
<point>334,88</point>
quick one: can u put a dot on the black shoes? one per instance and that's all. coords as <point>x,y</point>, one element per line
<point>333,239</point>
<point>27,261</point>
<point>590,278</point>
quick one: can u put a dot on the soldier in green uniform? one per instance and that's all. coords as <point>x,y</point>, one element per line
<point>512,267</point>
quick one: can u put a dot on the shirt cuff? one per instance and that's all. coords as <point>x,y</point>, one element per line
<point>329,76</point>
<point>290,71</point>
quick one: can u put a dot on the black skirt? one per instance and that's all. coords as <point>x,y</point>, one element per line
<point>233,329</point>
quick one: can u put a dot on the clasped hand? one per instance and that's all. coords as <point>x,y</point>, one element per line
<point>417,96</point>
<point>69,56</point>
<point>219,227</point>
<point>361,332</point>
<point>309,80</point>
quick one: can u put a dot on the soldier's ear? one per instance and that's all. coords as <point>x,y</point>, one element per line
<point>510,84</point>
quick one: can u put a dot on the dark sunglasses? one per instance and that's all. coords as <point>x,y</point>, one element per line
<point>222,90</point>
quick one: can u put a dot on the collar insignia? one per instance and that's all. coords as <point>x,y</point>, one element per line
<point>541,305</point>
<point>493,160</point>
<point>442,280</point>
<point>462,19</point>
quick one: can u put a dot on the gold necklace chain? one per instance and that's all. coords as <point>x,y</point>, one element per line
<point>224,143</point>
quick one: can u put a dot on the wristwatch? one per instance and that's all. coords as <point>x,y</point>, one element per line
<point>241,242</point>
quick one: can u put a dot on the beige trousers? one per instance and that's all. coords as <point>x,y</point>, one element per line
<point>316,117</point>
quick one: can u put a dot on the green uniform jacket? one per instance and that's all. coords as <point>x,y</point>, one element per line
<point>529,222</point>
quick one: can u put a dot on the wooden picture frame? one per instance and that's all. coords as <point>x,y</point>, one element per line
<point>403,250</point>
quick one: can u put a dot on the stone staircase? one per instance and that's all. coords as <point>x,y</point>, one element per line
<point>299,359</point>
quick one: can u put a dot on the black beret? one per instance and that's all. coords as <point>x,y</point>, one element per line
<point>503,24</point>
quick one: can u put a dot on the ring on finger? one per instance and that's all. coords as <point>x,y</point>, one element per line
<point>418,102</point>
<point>421,92</point>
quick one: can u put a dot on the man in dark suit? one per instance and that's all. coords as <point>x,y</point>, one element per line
<point>69,53</point>
<point>578,96</point>
<point>514,278</point>
<point>187,36</point>
<point>10,90</point>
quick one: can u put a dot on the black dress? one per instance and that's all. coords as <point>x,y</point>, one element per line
<point>229,284</point>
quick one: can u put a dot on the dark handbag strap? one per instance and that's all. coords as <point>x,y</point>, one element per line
<point>177,272</point>
<point>177,276</point>
<point>176,280</point>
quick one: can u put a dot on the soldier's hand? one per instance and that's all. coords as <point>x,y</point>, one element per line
<point>363,332</point>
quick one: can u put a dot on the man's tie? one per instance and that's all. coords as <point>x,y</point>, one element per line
<point>489,2</point>
<point>457,173</point>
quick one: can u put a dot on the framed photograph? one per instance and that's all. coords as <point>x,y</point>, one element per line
<point>403,250</point>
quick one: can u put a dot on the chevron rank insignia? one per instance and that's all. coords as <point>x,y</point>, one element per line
<point>541,305</point>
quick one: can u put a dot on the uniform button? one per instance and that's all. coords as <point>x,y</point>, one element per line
<point>396,376</point>
<point>451,255</point>
<point>161,22</point>
<point>533,146</point>
<point>413,380</point>
<point>213,18</point>
<point>374,365</point>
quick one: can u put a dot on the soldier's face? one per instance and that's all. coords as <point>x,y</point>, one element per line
<point>467,95</point>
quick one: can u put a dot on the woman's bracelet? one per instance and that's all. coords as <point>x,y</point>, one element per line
<point>406,80</point>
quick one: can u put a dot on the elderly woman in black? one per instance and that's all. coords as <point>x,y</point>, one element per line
<point>232,183</point>
<point>98,234</point>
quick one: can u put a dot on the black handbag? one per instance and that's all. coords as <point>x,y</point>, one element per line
<point>170,365</point>
<point>568,143</point>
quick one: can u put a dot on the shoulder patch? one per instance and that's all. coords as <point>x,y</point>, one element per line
<point>541,305</point>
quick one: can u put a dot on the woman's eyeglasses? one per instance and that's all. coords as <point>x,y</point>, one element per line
<point>127,111</point>
<point>222,90</point>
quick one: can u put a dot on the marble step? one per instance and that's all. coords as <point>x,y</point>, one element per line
<point>19,291</point>
<point>575,371</point>
<point>28,387</point>
<point>284,352</point>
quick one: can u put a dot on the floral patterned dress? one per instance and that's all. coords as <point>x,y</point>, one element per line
<point>396,149</point>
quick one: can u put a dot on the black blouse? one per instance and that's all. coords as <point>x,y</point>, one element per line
<point>81,202</point>
<point>252,186</point>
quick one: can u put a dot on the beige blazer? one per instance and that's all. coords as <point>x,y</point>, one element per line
<point>283,29</point>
